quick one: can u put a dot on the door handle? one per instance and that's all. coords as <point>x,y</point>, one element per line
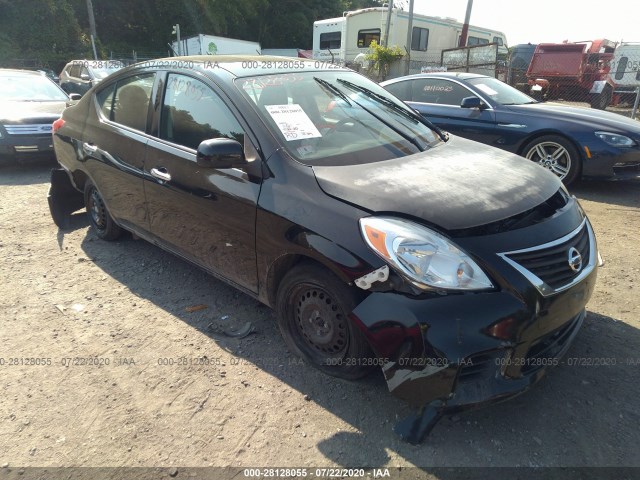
<point>89,148</point>
<point>161,174</point>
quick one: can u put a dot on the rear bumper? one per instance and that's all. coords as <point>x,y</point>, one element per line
<point>26,144</point>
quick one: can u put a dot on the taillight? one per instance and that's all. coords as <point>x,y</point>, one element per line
<point>57,125</point>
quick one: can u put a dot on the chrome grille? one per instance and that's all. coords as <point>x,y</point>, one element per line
<point>548,267</point>
<point>38,129</point>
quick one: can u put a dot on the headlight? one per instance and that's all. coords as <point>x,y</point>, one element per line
<point>615,140</point>
<point>426,258</point>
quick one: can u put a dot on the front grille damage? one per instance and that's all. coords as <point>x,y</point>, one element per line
<point>558,265</point>
<point>551,264</point>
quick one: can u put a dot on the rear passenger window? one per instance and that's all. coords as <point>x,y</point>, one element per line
<point>131,101</point>
<point>192,112</point>
<point>442,92</point>
<point>402,90</point>
<point>105,100</point>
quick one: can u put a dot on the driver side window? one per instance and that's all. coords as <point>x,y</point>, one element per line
<point>192,112</point>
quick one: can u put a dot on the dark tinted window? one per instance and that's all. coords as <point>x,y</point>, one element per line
<point>365,37</point>
<point>131,102</point>
<point>622,66</point>
<point>105,100</point>
<point>330,40</point>
<point>192,112</point>
<point>419,38</point>
<point>498,40</point>
<point>477,41</point>
<point>74,71</point>
<point>402,90</point>
<point>443,92</point>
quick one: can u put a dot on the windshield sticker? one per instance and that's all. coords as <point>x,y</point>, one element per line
<point>305,150</point>
<point>293,122</point>
<point>486,89</point>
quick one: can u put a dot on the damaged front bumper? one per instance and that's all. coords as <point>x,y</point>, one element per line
<point>453,352</point>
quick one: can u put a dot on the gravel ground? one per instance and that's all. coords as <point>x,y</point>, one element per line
<point>177,392</point>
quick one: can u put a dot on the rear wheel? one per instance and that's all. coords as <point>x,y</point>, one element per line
<point>556,154</point>
<point>313,307</point>
<point>99,216</point>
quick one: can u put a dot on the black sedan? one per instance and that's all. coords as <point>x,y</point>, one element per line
<point>570,141</point>
<point>462,270</point>
<point>29,103</point>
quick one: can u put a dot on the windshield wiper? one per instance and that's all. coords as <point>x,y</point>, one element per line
<point>407,113</point>
<point>333,89</point>
<point>337,91</point>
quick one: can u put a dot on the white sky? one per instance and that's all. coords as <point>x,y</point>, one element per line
<point>537,21</point>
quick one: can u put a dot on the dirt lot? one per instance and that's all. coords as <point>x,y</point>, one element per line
<point>68,295</point>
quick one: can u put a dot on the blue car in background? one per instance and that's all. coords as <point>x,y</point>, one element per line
<point>572,142</point>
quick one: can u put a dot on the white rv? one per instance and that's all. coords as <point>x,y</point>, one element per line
<point>625,66</point>
<point>214,45</point>
<point>340,39</point>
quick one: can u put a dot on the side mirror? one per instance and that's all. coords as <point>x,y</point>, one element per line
<point>85,76</point>
<point>471,102</point>
<point>220,153</point>
<point>75,96</point>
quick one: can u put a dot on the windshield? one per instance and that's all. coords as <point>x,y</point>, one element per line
<point>336,118</point>
<point>30,88</point>
<point>500,92</point>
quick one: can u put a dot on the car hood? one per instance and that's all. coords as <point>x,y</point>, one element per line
<point>459,184</point>
<point>587,116</point>
<point>16,113</point>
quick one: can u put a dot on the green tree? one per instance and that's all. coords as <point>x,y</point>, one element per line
<point>42,32</point>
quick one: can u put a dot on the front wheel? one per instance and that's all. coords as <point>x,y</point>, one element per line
<point>556,154</point>
<point>99,216</point>
<point>313,308</point>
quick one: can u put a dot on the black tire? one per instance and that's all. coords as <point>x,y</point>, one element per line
<point>310,294</point>
<point>99,216</point>
<point>557,154</point>
<point>602,100</point>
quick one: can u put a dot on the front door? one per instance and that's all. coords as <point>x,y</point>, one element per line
<point>207,215</point>
<point>439,100</point>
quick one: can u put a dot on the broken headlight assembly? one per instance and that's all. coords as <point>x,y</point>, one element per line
<point>426,258</point>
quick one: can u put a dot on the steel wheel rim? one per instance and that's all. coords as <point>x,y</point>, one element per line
<point>552,156</point>
<point>98,210</point>
<point>321,323</point>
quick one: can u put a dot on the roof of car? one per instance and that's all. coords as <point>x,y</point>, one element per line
<point>241,65</point>
<point>17,72</point>
<point>459,75</point>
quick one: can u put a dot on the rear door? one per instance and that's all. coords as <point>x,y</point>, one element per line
<point>114,142</point>
<point>204,214</point>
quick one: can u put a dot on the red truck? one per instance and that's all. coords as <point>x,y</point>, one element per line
<point>576,71</point>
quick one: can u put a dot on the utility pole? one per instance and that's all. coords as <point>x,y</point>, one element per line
<point>409,37</point>
<point>465,27</point>
<point>92,28</point>
<point>176,32</point>
<point>386,32</point>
